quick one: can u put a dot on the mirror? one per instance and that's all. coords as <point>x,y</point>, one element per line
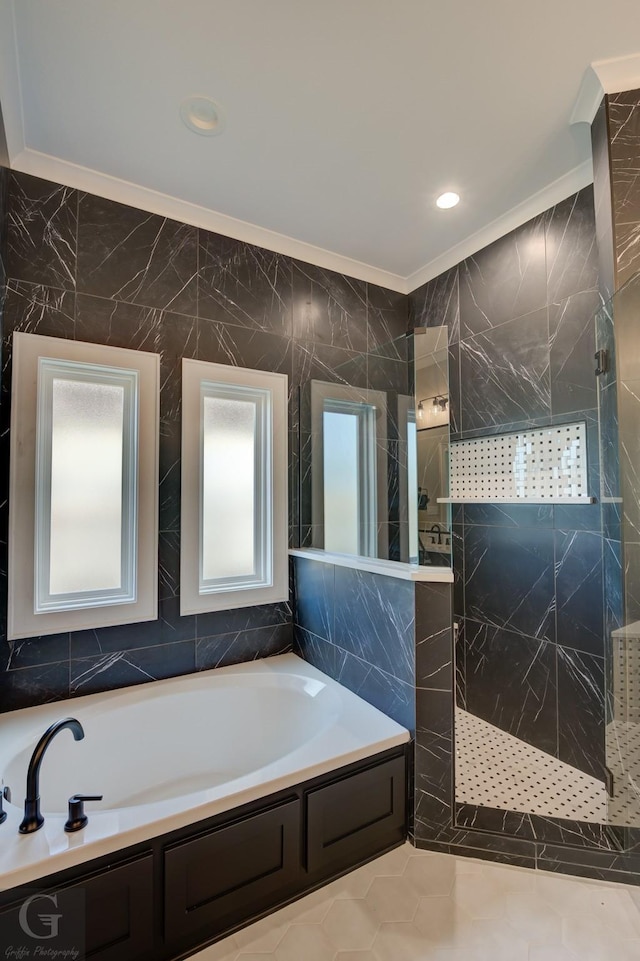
<point>431,372</point>
<point>374,455</point>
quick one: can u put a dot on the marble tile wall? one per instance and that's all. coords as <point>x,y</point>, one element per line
<point>529,579</point>
<point>389,641</point>
<point>87,268</point>
<point>359,628</point>
<point>624,153</point>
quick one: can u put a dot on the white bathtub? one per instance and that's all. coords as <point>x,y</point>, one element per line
<point>172,752</point>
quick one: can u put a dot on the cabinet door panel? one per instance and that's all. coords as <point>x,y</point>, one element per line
<point>357,816</point>
<point>230,873</point>
<point>111,914</point>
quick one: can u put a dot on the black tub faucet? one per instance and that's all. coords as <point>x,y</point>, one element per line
<point>33,820</point>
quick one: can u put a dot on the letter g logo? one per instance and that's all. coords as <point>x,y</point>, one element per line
<point>50,922</point>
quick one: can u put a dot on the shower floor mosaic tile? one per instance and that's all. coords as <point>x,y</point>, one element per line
<point>623,758</point>
<point>412,905</point>
<point>498,770</point>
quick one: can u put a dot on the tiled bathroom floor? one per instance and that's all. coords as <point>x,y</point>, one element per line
<point>498,770</point>
<point>412,905</point>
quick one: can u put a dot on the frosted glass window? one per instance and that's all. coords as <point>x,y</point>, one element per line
<point>234,510</point>
<point>341,482</point>
<point>86,469</point>
<point>235,482</point>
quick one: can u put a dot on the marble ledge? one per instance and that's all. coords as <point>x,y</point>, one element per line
<point>404,572</point>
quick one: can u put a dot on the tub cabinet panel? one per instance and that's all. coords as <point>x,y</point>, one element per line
<point>221,877</point>
<point>118,914</point>
<point>165,898</point>
<point>356,816</point>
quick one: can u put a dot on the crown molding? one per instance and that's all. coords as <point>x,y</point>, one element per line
<point>122,191</point>
<point>605,77</point>
<point>558,190</point>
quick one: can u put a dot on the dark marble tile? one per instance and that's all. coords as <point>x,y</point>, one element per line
<point>455,395</point>
<point>533,827</point>
<point>125,668</point>
<point>168,564</point>
<point>460,653</point>
<point>457,540</point>
<point>627,252</point>
<point>572,346</point>
<point>294,478</point>
<point>37,651</point>
<point>329,308</point>
<point>624,146</point>
<point>625,360</point>
<point>33,685</point>
<point>387,374</point>
<point>486,847</point>
<point>433,762</point>
<point>602,199</point>
<point>511,683</point>
<point>169,627</point>
<point>316,650</point>
<point>433,636</point>
<point>170,475</point>
<point>436,304</point>
<point>240,347</point>
<point>509,515</point>
<point>314,596</point>
<point>581,711</point>
<point>330,364</point>
<point>42,230</point>
<point>579,591</point>
<point>504,280</point>
<point>387,321</point>
<point>392,696</point>
<point>244,645</point>
<point>505,373</point>
<point>374,619</point>
<point>613,586</point>
<point>520,561</point>
<point>598,865</point>
<point>132,255</point>
<point>244,285</point>
<point>35,309</point>
<point>572,254</point>
<point>172,336</point>
<point>629,440</point>
<point>242,619</point>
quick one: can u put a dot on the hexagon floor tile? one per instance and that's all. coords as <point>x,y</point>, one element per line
<point>412,905</point>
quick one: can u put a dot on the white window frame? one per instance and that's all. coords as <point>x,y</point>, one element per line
<point>31,611</point>
<point>270,584</point>
<point>372,455</point>
<point>48,370</point>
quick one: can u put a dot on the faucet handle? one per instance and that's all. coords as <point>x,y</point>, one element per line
<point>77,818</point>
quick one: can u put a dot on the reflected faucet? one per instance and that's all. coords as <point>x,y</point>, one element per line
<point>33,819</point>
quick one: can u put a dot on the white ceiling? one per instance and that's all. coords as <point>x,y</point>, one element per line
<point>345,118</point>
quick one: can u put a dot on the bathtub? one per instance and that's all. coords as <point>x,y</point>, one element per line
<point>172,752</point>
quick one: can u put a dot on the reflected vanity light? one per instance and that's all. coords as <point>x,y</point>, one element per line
<point>439,404</point>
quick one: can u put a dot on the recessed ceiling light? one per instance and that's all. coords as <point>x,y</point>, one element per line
<point>448,199</point>
<point>202,115</point>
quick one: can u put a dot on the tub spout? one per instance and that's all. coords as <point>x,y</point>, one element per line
<point>33,819</point>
